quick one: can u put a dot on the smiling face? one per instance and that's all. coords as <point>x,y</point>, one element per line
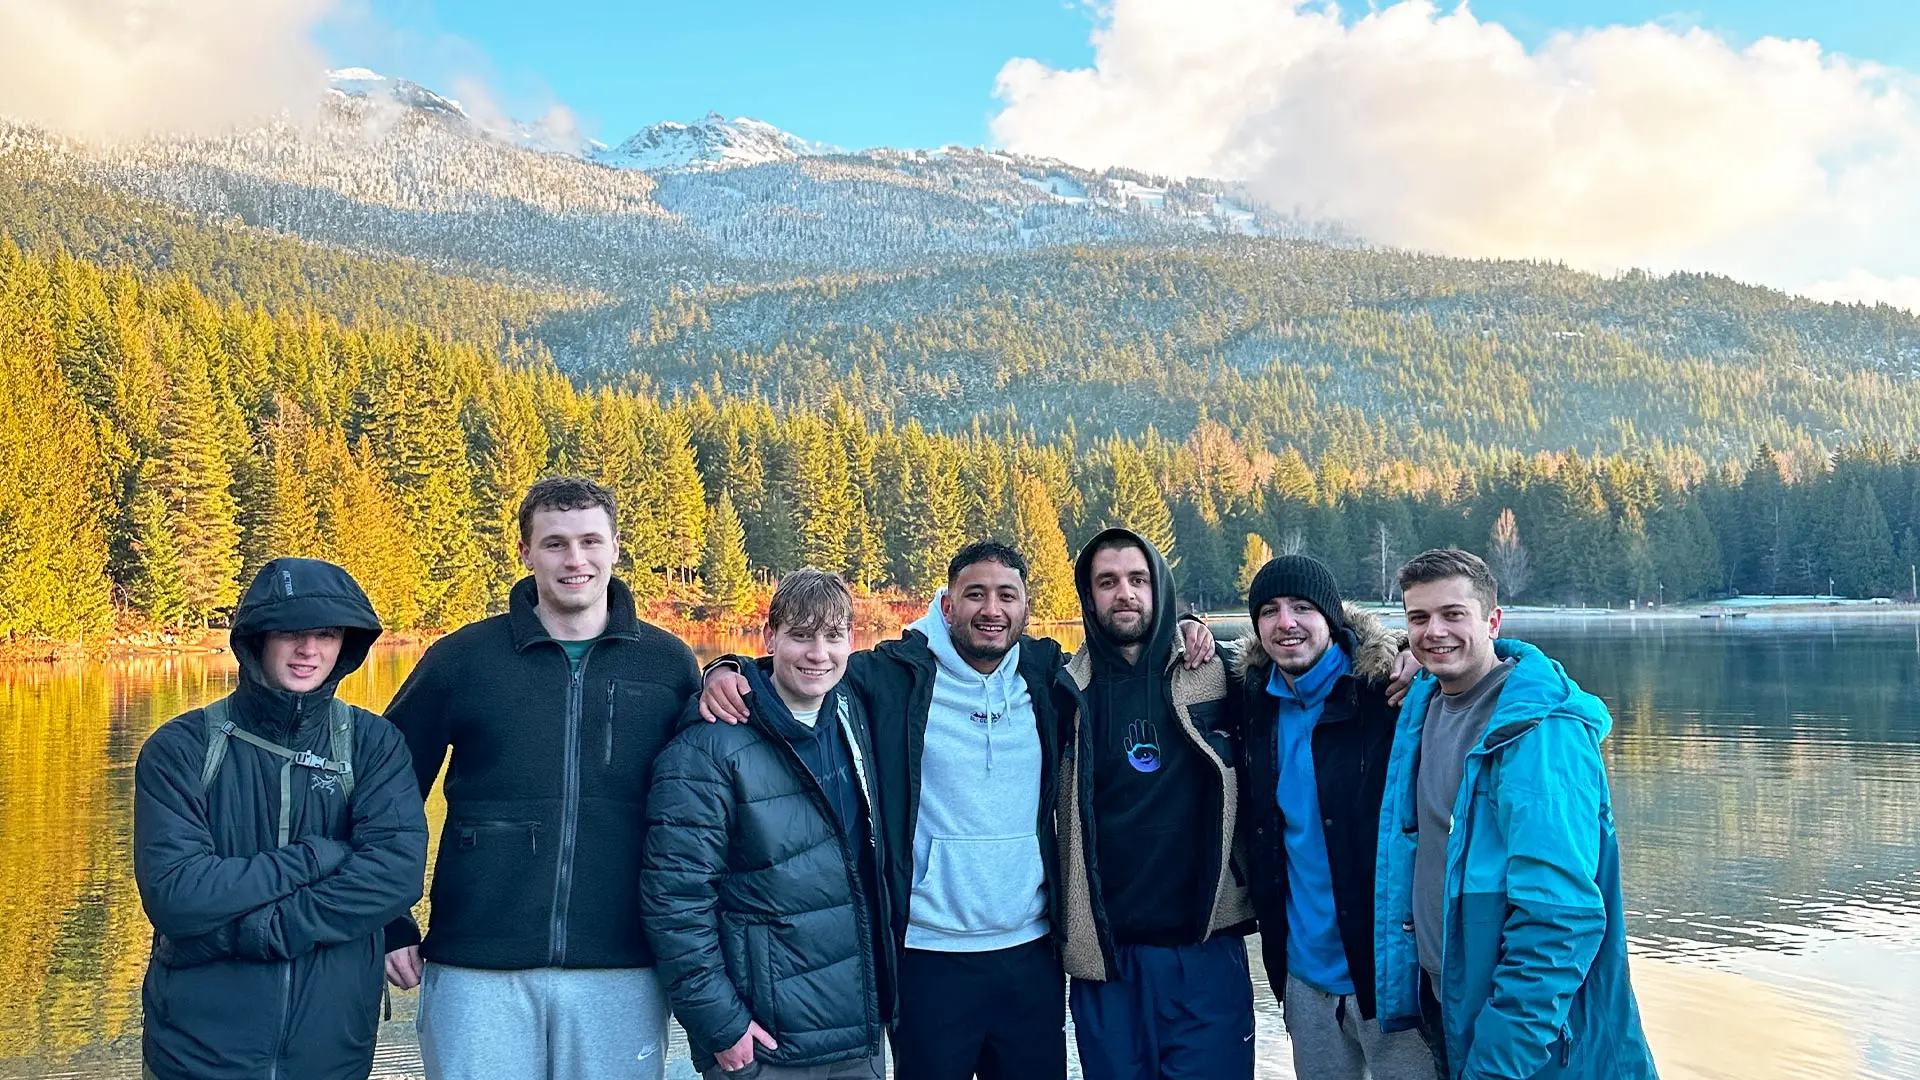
<point>299,661</point>
<point>1121,584</point>
<point>808,662</point>
<point>1294,634</point>
<point>571,555</point>
<point>985,606</point>
<point>1451,631</point>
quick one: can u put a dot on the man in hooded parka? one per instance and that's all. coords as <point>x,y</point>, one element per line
<point>276,832</point>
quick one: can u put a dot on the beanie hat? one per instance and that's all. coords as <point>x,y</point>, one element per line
<point>1302,576</point>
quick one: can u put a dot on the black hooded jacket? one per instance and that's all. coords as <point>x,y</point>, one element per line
<point>268,960</point>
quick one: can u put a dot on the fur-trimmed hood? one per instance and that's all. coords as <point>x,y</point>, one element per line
<point>1371,645</point>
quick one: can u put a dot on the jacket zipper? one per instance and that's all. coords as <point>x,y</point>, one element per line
<point>286,966</point>
<point>569,816</point>
<point>608,757</point>
<point>873,848</point>
<point>819,796</point>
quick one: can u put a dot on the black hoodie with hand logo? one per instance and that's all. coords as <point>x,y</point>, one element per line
<point>1154,796</point>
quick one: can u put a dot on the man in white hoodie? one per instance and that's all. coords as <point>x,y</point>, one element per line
<point>967,757</point>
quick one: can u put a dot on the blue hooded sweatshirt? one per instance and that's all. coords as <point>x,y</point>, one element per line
<point>979,883</point>
<point>1533,980</point>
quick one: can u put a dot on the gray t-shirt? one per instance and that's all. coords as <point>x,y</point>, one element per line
<point>1453,728</point>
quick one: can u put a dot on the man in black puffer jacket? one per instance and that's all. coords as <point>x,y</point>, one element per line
<point>269,853</point>
<point>760,881</point>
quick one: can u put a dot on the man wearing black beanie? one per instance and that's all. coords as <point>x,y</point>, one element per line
<point>1312,684</point>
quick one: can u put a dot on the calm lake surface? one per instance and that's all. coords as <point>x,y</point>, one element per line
<point>1766,773</point>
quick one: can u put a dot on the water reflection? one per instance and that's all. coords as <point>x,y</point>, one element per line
<point>1766,774</point>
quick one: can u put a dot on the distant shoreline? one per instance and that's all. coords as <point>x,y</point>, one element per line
<point>1732,610</point>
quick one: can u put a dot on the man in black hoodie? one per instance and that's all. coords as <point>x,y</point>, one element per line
<point>275,833</point>
<point>535,961</point>
<point>1156,903</point>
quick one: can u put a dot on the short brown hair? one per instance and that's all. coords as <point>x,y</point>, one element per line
<point>809,600</point>
<point>1443,563</point>
<point>565,493</point>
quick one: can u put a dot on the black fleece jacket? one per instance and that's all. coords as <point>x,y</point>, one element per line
<point>539,861</point>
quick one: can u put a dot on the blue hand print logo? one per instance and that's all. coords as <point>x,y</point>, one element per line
<point>1143,747</point>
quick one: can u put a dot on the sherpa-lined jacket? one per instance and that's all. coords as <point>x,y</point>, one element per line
<point>1198,699</point>
<point>1351,743</point>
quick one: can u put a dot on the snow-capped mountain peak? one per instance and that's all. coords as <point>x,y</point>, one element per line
<point>361,83</point>
<point>713,142</point>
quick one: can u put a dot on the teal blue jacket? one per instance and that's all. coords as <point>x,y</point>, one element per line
<point>1533,980</point>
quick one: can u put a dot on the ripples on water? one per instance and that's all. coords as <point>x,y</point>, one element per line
<point>1766,778</point>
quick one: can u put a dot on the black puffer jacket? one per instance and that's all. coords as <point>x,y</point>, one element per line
<point>539,859</point>
<point>268,960</point>
<point>753,897</point>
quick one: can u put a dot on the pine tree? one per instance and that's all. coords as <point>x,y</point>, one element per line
<point>1863,545</point>
<point>1037,536</point>
<point>683,502</point>
<point>1137,502</point>
<point>723,567</point>
<point>936,521</point>
<point>371,539</point>
<point>53,541</point>
<point>193,480</point>
<point>1254,554</point>
<point>509,451</point>
<point>158,585</point>
<point>1908,558</point>
<point>413,423</point>
<point>290,521</point>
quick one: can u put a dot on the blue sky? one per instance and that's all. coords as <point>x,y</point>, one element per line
<point>863,73</point>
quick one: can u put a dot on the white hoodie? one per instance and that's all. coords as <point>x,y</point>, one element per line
<point>979,883</point>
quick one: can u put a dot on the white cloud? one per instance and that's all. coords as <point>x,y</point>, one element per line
<point>1657,145</point>
<point>1861,287</point>
<point>128,67</point>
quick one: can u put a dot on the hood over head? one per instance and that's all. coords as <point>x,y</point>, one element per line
<point>1161,633</point>
<point>297,594</point>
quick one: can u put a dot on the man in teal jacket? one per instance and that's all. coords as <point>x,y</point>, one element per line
<point>1498,924</point>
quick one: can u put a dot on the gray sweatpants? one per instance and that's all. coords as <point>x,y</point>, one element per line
<point>542,1024</point>
<point>873,1068</point>
<point>1331,1042</point>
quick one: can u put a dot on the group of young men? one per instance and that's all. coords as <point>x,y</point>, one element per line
<point>938,846</point>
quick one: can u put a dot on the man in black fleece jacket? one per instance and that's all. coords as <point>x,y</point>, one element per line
<point>536,965</point>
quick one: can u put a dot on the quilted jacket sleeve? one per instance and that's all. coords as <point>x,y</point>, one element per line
<point>690,812</point>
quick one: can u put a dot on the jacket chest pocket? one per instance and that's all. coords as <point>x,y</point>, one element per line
<point>1207,720</point>
<point>636,718</point>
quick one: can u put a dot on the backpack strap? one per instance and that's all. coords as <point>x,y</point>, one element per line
<point>217,723</point>
<point>220,728</point>
<point>341,737</point>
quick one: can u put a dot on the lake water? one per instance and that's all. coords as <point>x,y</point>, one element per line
<point>1766,773</point>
